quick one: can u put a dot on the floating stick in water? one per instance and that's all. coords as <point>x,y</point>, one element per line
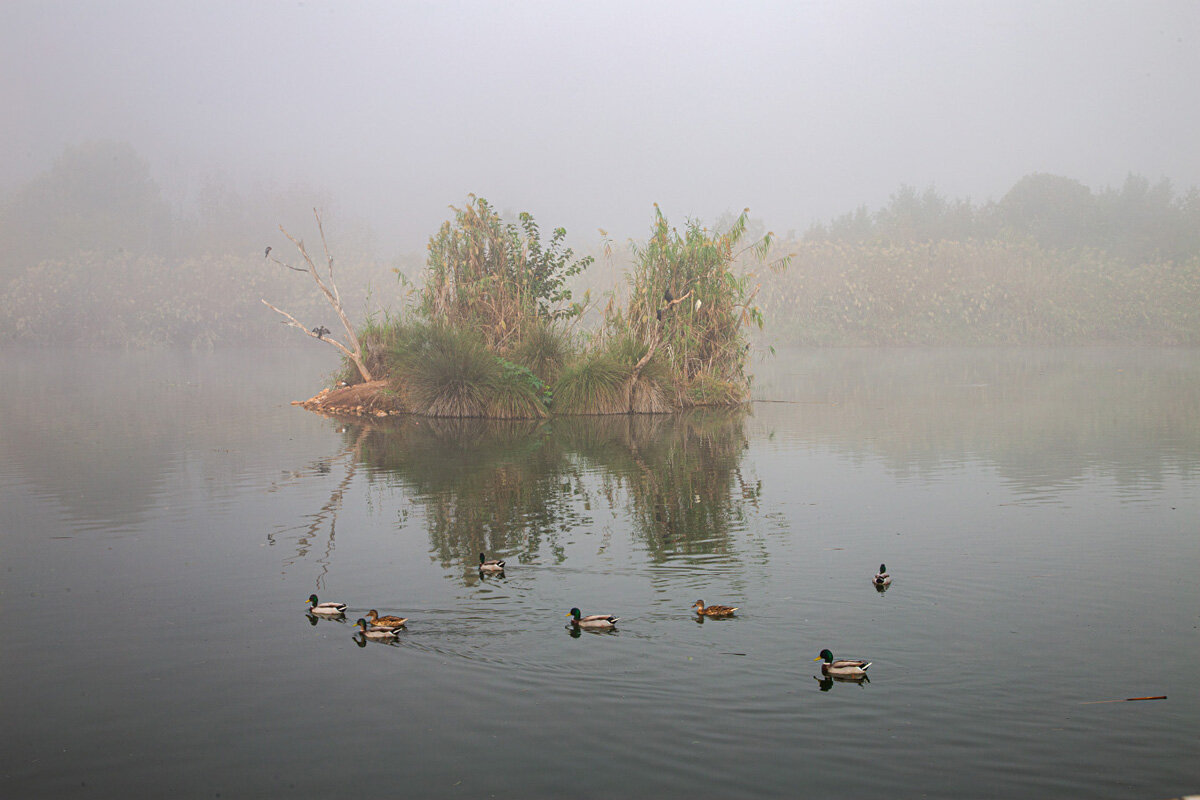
<point>1124,700</point>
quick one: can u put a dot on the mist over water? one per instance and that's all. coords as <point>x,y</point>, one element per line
<point>1007,176</point>
<point>587,115</point>
<point>175,522</point>
<point>140,187</point>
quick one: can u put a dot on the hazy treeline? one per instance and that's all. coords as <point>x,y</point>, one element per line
<point>95,253</point>
<point>1050,262</point>
<point>1139,221</point>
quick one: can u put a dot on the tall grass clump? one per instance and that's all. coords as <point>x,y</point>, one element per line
<point>444,370</point>
<point>595,383</point>
<point>451,372</point>
<point>516,393</point>
<point>544,350</point>
<point>690,302</point>
<point>650,390</point>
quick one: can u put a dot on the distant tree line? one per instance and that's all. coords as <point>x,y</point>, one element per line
<point>1139,221</point>
<point>1051,262</point>
<point>95,253</point>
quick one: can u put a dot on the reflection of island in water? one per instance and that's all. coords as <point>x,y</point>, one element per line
<point>514,488</point>
<point>1043,418</point>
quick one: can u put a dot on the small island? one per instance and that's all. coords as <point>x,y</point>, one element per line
<point>494,332</point>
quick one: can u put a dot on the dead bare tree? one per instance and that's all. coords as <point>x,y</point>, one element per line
<point>330,290</point>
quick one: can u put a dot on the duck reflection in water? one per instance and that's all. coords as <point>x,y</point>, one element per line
<point>361,641</point>
<point>575,633</point>
<point>380,635</point>
<point>825,682</point>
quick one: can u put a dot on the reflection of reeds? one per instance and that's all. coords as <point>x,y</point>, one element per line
<point>513,488</point>
<point>484,485</point>
<point>681,474</point>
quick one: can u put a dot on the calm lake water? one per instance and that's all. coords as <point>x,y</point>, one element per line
<point>164,516</point>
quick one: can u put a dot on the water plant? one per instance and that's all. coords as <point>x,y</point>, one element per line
<point>690,301</point>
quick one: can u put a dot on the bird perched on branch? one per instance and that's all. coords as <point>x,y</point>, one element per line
<point>320,331</point>
<point>268,252</point>
<point>667,294</point>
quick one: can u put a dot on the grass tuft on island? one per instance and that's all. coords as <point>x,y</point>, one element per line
<point>494,333</point>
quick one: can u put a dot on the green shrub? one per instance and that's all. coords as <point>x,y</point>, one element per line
<point>593,384</point>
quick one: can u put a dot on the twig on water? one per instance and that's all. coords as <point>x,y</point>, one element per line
<point>1124,700</point>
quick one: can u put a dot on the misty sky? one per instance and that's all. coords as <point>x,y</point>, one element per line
<point>587,113</point>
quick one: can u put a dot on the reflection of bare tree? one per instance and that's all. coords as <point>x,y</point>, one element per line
<point>309,534</point>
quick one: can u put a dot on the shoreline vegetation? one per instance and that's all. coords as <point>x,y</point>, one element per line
<point>493,332</point>
<point>97,255</point>
<point>1051,263</point>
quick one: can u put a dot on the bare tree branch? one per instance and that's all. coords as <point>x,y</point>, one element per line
<point>295,323</point>
<point>332,296</point>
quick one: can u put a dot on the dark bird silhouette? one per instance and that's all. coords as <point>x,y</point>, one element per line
<point>658,314</point>
<point>268,253</point>
<point>320,331</point>
<point>667,294</point>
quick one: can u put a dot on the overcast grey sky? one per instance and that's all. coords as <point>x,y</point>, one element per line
<point>587,113</point>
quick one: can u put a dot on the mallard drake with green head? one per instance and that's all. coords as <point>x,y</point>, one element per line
<point>843,667</point>
<point>325,609</point>
<point>492,565</point>
<point>385,622</point>
<point>714,610</point>
<point>592,620</point>
<point>882,578</point>
<point>376,633</point>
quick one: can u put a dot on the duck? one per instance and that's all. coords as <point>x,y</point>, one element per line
<point>490,566</point>
<point>385,622</point>
<point>714,610</point>
<point>326,609</point>
<point>843,667</point>
<point>882,578</point>
<point>375,633</point>
<point>592,620</point>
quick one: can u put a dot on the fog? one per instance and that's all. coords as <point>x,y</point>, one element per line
<point>586,114</point>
